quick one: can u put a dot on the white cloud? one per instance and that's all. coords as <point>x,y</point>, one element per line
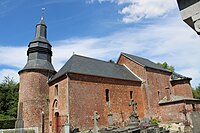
<point>9,72</point>
<point>13,56</point>
<point>136,10</point>
<point>171,41</point>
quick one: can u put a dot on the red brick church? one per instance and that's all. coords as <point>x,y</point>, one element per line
<point>83,85</point>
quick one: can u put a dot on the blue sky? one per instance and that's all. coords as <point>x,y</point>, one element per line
<point>100,29</point>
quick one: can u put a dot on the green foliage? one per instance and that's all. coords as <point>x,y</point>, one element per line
<point>166,66</point>
<point>7,124</point>
<point>196,92</point>
<point>111,61</point>
<point>154,121</point>
<point>8,99</point>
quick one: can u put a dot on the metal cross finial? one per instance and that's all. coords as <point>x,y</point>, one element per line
<point>43,9</point>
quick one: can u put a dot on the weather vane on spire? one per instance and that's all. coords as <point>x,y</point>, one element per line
<point>43,9</point>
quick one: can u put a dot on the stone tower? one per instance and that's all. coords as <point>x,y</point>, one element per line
<point>34,90</point>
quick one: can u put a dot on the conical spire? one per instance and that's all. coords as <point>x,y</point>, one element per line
<point>41,28</point>
<point>39,52</point>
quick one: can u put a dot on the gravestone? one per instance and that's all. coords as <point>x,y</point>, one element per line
<point>134,120</point>
<point>195,116</point>
<point>143,131</point>
<point>19,124</point>
<point>110,120</point>
<point>110,116</point>
<point>187,128</point>
<point>157,130</point>
<point>96,118</point>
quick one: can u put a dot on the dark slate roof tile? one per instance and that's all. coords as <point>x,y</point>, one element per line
<point>145,62</point>
<point>88,66</point>
<point>176,76</point>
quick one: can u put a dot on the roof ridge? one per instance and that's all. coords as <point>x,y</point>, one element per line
<point>96,59</point>
<point>127,55</point>
<point>139,57</point>
<point>144,62</point>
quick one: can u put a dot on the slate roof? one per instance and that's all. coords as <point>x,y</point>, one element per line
<point>145,62</point>
<point>39,52</point>
<point>88,66</point>
<point>38,64</point>
<point>176,76</point>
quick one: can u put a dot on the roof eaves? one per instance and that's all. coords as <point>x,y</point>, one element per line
<point>54,79</point>
<point>103,76</point>
<point>180,101</point>
<point>179,79</point>
<point>158,69</point>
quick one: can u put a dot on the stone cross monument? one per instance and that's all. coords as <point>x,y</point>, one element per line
<point>187,128</point>
<point>96,118</point>
<point>134,121</point>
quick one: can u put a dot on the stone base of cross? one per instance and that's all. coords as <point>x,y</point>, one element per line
<point>96,118</point>
<point>134,120</point>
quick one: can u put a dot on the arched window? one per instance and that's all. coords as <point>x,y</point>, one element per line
<point>131,94</point>
<point>56,90</point>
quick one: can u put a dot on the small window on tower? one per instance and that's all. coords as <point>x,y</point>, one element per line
<point>56,90</point>
<point>107,95</point>
<point>131,94</point>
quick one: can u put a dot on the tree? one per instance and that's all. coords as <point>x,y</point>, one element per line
<point>111,61</point>
<point>166,66</point>
<point>196,92</point>
<point>8,98</point>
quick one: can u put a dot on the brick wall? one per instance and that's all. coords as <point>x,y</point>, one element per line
<point>182,88</point>
<point>154,85</point>
<point>172,112</point>
<point>158,87</point>
<point>88,94</point>
<point>140,71</point>
<point>62,103</point>
<point>33,93</point>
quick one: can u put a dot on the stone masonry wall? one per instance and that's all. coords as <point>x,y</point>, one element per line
<point>33,93</point>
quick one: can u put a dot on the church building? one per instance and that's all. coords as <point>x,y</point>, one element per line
<point>51,100</point>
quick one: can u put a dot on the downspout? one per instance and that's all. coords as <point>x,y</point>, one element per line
<point>67,129</point>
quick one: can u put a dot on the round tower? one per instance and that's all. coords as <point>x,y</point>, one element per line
<point>34,90</point>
